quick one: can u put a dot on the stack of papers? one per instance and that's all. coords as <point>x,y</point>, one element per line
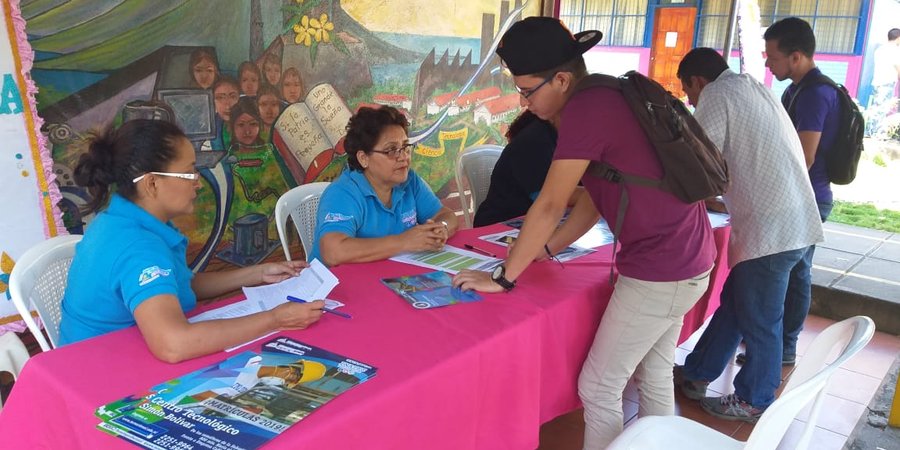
<point>313,283</point>
<point>450,259</point>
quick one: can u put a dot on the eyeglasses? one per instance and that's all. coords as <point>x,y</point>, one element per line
<point>528,92</point>
<point>193,176</point>
<point>394,152</point>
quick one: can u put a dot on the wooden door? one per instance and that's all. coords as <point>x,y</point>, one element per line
<point>673,36</point>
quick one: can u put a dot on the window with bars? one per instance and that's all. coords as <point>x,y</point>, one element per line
<point>621,21</point>
<point>834,22</point>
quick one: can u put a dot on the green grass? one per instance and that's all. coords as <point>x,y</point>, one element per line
<point>865,215</point>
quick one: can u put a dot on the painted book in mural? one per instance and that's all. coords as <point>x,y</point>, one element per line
<point>429,290</point>
<point>307,132</point>
<point>239,403</point>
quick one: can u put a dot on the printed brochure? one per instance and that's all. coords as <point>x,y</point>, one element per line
<point>429,290</point>
<point>239,403</point>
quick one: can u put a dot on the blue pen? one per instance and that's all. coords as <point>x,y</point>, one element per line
<point>337,313</point>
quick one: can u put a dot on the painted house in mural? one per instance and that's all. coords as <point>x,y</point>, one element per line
<point>438,102</point>
<point>652,36</point>
<point>396,100</point>
<point>498,110</point>
<point>471,100</point>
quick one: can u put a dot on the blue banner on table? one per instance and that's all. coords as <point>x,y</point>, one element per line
<point>239,403</point>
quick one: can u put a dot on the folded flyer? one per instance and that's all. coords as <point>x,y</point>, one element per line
<point>505,238</point>
<point>429,290</point>
<point>239,403</point>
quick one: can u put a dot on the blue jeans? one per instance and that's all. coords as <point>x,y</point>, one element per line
<point>799,294</point>
<point>752,308</point>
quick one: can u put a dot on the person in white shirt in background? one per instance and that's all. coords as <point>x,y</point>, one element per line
<point>884,79</point>
<point>774,220</point>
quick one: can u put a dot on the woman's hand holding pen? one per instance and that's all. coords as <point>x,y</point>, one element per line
<point>297,316</point>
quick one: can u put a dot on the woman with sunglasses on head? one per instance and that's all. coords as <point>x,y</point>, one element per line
<point>379,207</point>
<point>130,267</point>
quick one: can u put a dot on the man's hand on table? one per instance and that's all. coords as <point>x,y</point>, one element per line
<point>476,280</point>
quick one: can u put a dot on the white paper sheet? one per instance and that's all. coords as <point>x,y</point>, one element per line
<point>313,283</point>
<point>450,259</point>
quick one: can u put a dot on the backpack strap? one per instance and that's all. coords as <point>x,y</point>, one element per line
<point>613,175</point>
<point>598,80</point>
<point>821,79</point>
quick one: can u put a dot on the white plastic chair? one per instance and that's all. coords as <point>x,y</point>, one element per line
<point>39,278</point>
<point>806,385</point>
<point>301,204</point>
<point>476,165</point>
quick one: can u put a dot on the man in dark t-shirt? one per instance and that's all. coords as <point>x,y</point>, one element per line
<point>815,111</point>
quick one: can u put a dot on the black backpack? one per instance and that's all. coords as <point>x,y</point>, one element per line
<point>842,158</point>
<point>693,167</point>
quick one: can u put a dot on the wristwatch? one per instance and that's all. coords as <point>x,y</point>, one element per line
<point>499,277</point>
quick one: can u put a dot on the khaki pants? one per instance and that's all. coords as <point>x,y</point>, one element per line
<point>637,335</point>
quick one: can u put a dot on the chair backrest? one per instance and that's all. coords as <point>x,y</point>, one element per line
<point>475,164</point>
<point>809,380</point>
<point>301,204</point>
<point>39,278</point>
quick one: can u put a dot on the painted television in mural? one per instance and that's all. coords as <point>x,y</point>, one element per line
<point>298,69</point>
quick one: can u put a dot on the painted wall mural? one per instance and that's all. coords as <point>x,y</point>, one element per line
<point>264,90</point>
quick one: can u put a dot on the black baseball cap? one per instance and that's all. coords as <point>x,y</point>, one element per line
<point>536,44</point>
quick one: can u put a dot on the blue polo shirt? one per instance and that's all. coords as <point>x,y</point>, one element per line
<point>126,256</point>
<point>350,206</point>
<point>817,108</point>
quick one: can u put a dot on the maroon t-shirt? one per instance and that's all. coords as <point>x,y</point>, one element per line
<point>662,238</point>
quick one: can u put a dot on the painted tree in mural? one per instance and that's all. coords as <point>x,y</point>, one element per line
<point>264,90</point>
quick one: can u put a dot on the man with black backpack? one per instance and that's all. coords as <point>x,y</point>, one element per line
<point>813,103</point>
<point>773,222</point>
<point>667,245</point>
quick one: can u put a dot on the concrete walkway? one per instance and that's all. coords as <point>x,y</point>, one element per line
<point>857,271</point>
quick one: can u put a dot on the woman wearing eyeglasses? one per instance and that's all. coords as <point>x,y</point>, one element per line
<point>130,267</point>
<point>379,207</point>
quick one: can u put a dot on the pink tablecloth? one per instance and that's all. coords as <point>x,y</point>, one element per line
<point>480,375</point>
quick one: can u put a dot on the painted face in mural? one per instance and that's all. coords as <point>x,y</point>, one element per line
<point>544,97</point>
<point>226,96</point>
<point>780,64</point>
<point>204,73</point>
<point>384,170</point>
<point>249,82</point>
<point>176,195</point>
<point>272,71</point>
<point>291,87</point>
<point>269,107</point>
<point>246,129</point>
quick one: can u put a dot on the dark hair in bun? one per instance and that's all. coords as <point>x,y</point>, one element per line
<point>115,157</point>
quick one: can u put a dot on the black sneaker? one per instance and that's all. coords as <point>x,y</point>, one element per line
<point>786,360</point>
<point>692,389</point>
<point>731,407</point>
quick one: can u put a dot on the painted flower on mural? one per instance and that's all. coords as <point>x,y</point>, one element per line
<point>312,27</point>
<point>303,32</point>
<point>6,266</point>
<point>322,26</point>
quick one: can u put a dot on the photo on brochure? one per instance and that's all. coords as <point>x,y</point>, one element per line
<point>429,290</point>
<point>239,403</point>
